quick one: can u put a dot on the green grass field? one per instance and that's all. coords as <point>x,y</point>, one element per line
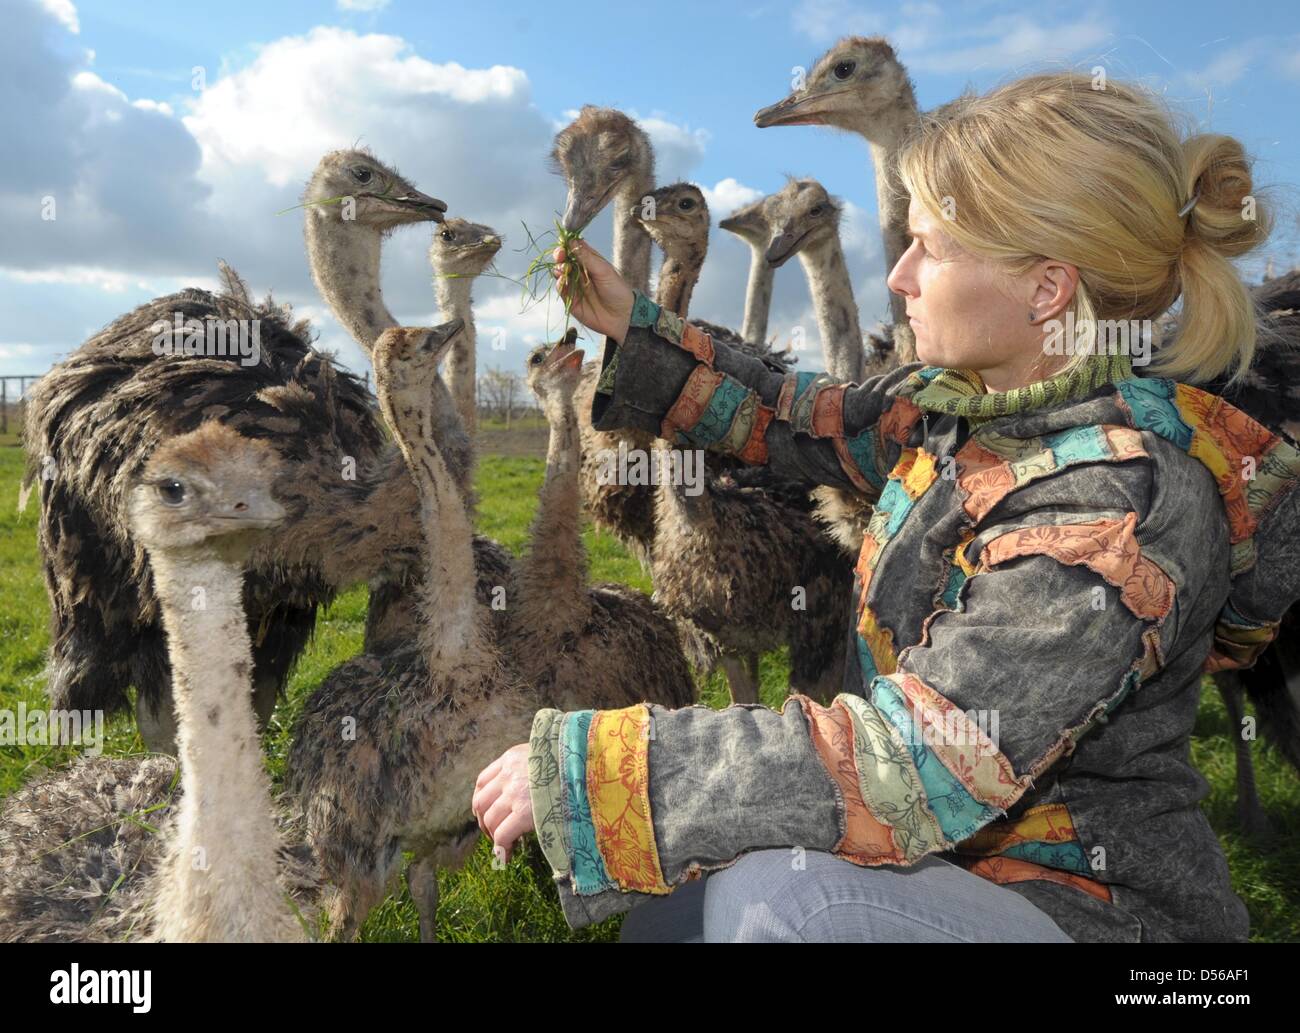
<point>518,903</point>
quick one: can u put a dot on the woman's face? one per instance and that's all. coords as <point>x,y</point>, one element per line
<point>967,313</point>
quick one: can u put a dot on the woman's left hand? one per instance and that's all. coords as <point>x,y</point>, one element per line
<point>502,803</point>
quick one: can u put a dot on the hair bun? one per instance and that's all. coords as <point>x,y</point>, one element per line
<point>1227,215</point>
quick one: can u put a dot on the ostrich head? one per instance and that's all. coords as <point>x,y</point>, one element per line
<point>855,85</point>
<point>680,225</point>
<point>406,366</point>
<point>553,372</point>
<point>212,485</point>
<point>597,153</point>
<point>801,216</point>
<point>749,223</point>
<point>463,248</point>
<point>383,199</point>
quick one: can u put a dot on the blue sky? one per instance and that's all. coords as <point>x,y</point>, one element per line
<point>160,180</point>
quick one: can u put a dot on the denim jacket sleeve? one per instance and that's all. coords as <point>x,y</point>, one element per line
<point>997,691</point>
<point>670,378</point>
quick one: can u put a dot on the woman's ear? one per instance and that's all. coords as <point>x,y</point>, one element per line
<point>1052,285</point>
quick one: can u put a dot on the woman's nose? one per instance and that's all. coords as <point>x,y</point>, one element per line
<point>900,279</point>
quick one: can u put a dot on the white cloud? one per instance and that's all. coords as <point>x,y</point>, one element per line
<point>824,21</point>
<point>16,351</point>
<point>930,40</point>
<point>678,148</point>
<point>304,95</point>
<point>65,12</point>
<point>725,196</point>
<point>1014,42</point>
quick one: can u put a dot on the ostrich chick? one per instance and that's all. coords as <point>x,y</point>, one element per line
<point>220,870</point>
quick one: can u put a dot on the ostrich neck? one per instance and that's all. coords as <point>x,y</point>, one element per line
<point>344,259</point>
<point>453,633</point>
<point>223,858</point>
<point>455,301</point>
<point>884,133</point>
<point>631,241</point>
<point>758,296</point>
<point>553,575</point>
<point>837,312</point>
<point>676,512</point>
<point>677,278</point>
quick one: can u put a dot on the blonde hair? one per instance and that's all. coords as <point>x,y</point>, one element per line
<point>1049,166</point>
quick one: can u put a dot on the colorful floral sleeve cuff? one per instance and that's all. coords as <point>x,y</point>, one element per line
<point>545,787</point>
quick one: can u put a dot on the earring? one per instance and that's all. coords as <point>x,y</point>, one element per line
<point>1031,315</point>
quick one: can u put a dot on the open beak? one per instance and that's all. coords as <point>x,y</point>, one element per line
<point>565,356</point>
<point>795,110</point>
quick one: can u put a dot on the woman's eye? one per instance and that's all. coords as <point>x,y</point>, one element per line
<point>362,175</point>
<point>172,492</point>
<point>843,70</point>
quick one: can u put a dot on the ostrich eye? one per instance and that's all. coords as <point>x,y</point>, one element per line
<point>815,211</point>
<point>843,70</point>
<point>686,204</point>
<point>535,358</point>
<point>447,235</point>
<point>171,492</point>
<point>362,174</point>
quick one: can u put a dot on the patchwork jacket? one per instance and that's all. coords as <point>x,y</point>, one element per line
<point>1037,599</point>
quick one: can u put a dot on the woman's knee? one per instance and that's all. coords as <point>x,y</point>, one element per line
<point>765,895</point>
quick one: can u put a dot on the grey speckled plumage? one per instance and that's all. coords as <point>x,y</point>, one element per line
<point>98,415</point>
<point>79,850</point>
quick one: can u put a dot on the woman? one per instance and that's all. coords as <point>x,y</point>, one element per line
<point>1060,549</point>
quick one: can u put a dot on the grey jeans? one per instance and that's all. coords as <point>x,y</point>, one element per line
<point>763,897</point>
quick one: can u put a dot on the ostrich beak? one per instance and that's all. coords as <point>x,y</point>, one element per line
<point>438,338</point>
<point>781,247</point>
<point>254,510</point>
<point>579,210</point>
<point>795,110</point>
<point>419,207</point>
<point>731,224</point>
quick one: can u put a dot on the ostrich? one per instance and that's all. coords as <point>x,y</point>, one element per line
<point>388,748</point>
<point>461,251</point>
<point>605,645</point>
<point>344,255</point>
<point>604,155</point>
<point>860,85</point>
<point>804,220</point>
<point>750,225</point>
<point>80,857</point>
<point>725,562</point>
<point>94,419</point>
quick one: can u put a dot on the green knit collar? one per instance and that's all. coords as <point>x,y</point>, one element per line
<point>961,392</point>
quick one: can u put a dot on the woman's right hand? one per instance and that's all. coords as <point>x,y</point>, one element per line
<point>604,302</point>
